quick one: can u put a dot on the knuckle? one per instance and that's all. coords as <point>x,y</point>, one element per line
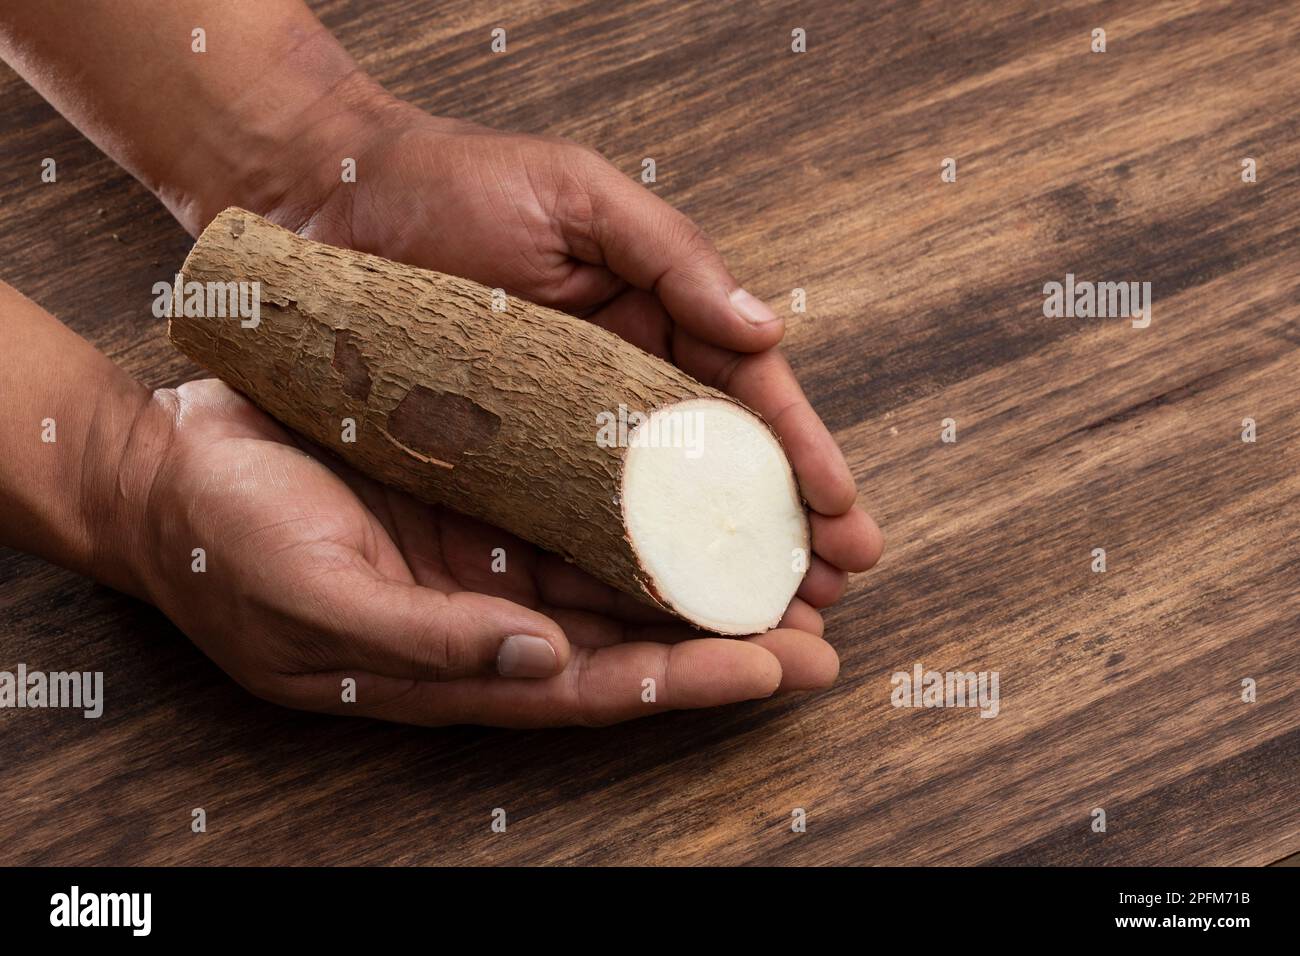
<point>440,653</point>
<point>688,235</point>
<point>266,685</point>
<point>582,153</point>
<point>579,709</point>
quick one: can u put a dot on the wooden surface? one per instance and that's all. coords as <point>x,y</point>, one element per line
<point>1118,690</point>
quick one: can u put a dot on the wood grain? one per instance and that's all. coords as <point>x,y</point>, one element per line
<point>820,171</point>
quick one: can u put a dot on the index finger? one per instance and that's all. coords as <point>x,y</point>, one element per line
<point>765,382</point>
<point>639,237</point>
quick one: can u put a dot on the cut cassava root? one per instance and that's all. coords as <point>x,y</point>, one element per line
<point>704,527</point>
<point>498,414</point>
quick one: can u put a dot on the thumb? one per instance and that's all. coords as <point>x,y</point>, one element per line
<point>408,631</point>
<point>654,247</point>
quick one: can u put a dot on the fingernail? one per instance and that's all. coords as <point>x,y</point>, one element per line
<point>752,310</point>
<point>522,655</point>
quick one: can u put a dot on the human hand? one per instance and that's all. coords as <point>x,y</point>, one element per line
<point>553,222</point>
<point>313,574</point>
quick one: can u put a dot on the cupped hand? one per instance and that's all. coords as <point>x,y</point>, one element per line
<point>311,574</point>
<point>328,575</point>
<point>551,221</point>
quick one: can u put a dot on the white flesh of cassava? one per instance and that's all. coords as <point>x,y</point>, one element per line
<point>714,514</point>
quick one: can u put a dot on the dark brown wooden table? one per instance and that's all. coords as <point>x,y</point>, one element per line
<point>1119,690</point>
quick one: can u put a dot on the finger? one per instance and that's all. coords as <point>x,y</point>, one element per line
<point>807,662</point>
<point>542,581</point>
<point>823,585</point>
<point>656,248</point>
<point>583,286</point>
<point>564,585</point>
<point>408,631</point>
<point>593,629</point>
<point>766,384</point>
<point>851,541</point>
<point>590,630</point>
<point>487,559</point>
<point>639,318</point>
<point>601,686</point>
<point>801,615</point>
<point>412,527</point>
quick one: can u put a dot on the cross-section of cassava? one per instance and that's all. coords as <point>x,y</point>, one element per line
<point>535,421</point>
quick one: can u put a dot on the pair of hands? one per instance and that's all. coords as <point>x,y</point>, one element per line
<point>315,573</point>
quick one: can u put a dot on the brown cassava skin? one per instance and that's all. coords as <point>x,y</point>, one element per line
<point>490,413</point>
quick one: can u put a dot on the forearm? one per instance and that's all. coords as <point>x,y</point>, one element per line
<point>247,122</point>
<point>77,434</point>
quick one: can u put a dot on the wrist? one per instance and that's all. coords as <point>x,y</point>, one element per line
<point>119,497</point>
<point>278,148</point>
